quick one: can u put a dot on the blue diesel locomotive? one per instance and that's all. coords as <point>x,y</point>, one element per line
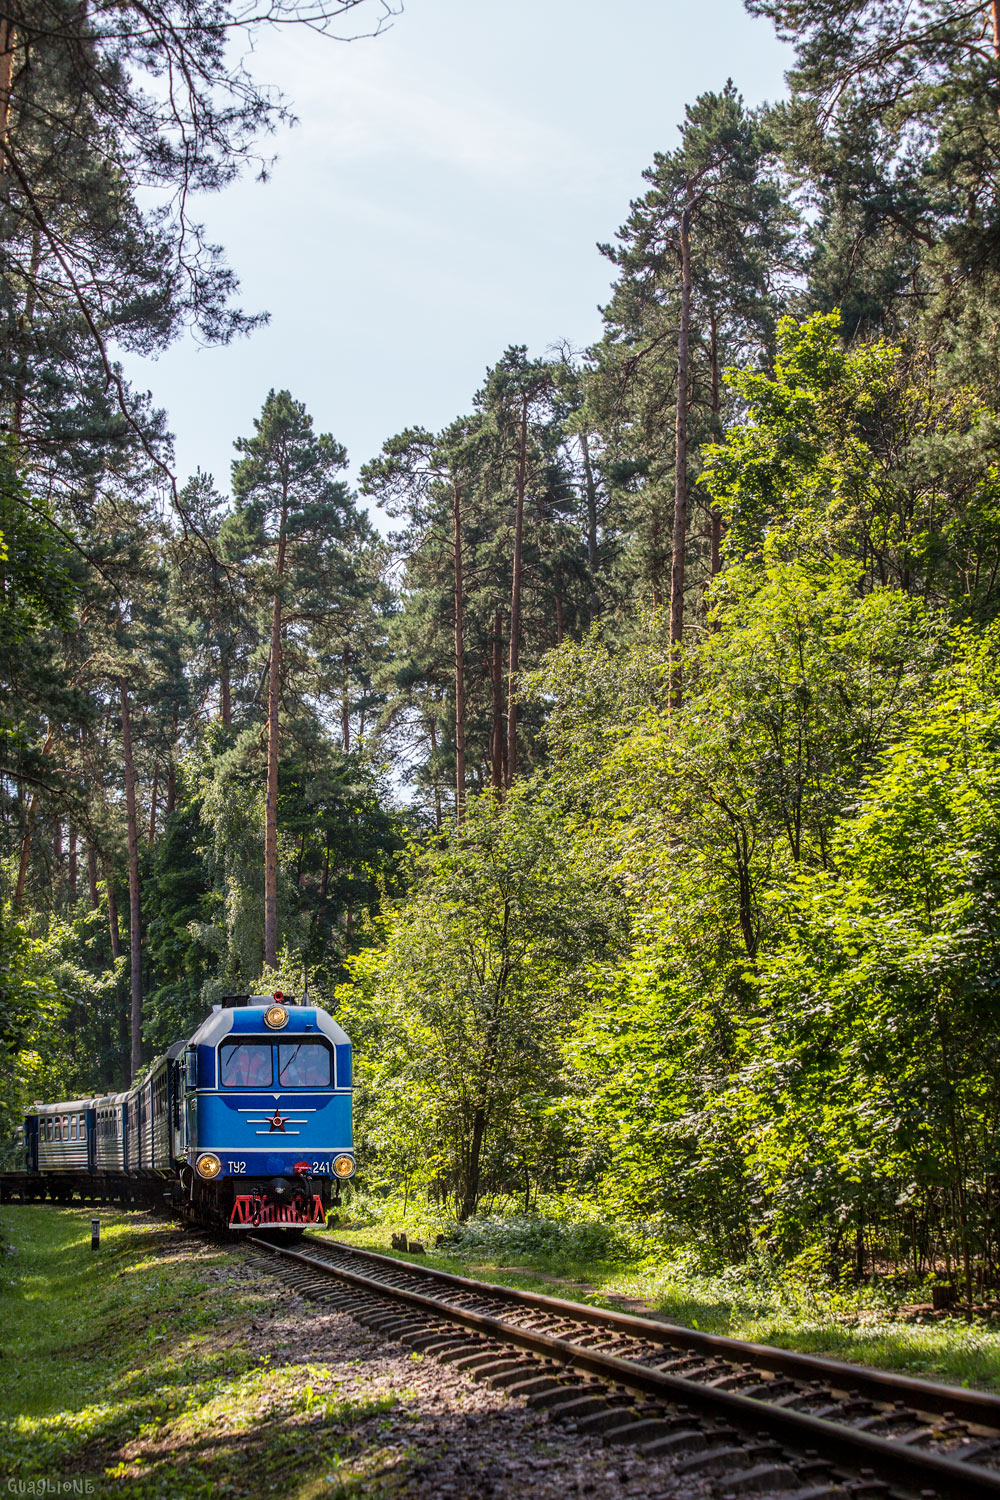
<point>247,1125</point>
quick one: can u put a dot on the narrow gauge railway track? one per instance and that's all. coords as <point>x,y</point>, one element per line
<point>767,1420</point>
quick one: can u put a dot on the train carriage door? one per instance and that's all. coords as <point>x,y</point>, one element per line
<point>31,1143</point>
<point>175,1079</point>
<point>90,1117</point>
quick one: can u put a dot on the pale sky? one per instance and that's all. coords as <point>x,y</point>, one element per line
<point>441,198</point>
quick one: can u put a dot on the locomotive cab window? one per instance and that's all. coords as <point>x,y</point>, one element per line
<point>245,1065</point>
<point>304,1065</point>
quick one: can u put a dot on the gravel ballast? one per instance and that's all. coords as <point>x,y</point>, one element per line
<point>447,1435</point>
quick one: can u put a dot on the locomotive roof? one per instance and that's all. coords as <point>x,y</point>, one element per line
<point>241,1019</point>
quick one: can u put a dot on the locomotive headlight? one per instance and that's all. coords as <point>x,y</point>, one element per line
<point>208,1166</point>
<point>276,1016</point>
<point>344,1166</point>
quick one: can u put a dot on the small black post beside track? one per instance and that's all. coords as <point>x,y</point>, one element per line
<point>900,1464</point>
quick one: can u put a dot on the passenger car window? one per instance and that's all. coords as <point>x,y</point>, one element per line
<point>303,1065</point>
<point>245,1065</point>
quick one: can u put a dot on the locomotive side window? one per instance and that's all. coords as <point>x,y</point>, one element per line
<point>304,1065</point>
<point>245,1065</point>
<point>72,1128</point>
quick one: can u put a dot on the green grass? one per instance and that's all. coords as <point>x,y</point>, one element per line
<point>871,1325</point>
<point>135,1370</point>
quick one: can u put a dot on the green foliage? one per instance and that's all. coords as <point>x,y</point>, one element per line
<point>505,1238</point>
<point>866,450</point>
<point>459,1010</point>
<point>175,1382</point>
<point>30,1011</point>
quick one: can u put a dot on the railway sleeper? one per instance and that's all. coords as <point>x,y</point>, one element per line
<point>477,1360</point>
<point>517,1375</point>
<point>434,1342</point>
<point>605,1421</point>
<point>746,1457</point>
<point>578,1404</point>
<point>469,1346</point>
<point>501,1371</point>
<point>387,1323</point>
<point>535,1385</point>
<point>557,1395</point>
<point>831,1491</point>
<point>663,1438</point>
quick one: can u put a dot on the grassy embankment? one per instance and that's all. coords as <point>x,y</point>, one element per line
<point>136,1369</point>
<point>875,1324</point>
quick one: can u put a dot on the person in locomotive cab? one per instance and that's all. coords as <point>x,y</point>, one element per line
<point>304,1066</point>
<point>247,1066</point>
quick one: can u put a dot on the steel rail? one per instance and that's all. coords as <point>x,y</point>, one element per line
<point>878,1385</point>
<point>897,1463</point>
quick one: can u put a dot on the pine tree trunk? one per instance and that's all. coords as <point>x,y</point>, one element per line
<point>114,932</point>
<point>560,620</point>
<point>432,735</point>
<point>716,397</point>
<point>26,852</point>
<point>497,738</point>
<point>134,911</point>
<point>92,876</point>
<point>25,855</point>
<point>225,704</point>
<point>8,48</point>
<point>72,862</point>
<point>591,487</point>
<point>27,318</point>
<point>515,601</point>
<point>26,837</point>
<point>459,660</point>
<point>345,706</point>
<point>680,467</point>
<point>171,802</point>
<point>271,805</point>
<point>152,805</point>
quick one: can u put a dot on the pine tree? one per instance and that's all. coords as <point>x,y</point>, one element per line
<point>700,259</point>
<point>304,530</point>
<point>893,122</point>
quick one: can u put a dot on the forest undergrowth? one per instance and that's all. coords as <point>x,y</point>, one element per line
<point>567,1250</point>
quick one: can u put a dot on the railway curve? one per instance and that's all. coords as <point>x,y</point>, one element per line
<point>768,1419</point>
